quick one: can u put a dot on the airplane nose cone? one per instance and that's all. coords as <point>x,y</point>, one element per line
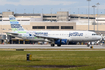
<point>99,37</point>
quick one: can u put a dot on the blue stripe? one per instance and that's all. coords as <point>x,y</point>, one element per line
<point>14,22</point>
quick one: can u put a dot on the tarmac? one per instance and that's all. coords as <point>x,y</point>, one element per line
<point>34,46</point>
<point>102,69</point>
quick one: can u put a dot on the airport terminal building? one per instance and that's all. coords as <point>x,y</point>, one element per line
<point>59,21</point>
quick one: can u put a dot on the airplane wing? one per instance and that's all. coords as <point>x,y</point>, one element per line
<point>47,37</point>
<point>12,33</point>
<point>38,36</point>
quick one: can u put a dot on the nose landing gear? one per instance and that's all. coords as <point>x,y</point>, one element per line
<point>90,45</point>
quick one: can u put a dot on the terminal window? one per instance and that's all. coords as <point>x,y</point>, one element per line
<point>66,27</point>
<point>38,27</point>
<point>52,27</point>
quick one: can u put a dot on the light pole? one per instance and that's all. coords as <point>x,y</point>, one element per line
<point>94,15</point>
<point>15,11</point>
<point>51,14</point>
<point>60,9</point>
<point>33,10</point>
<point>42,11</point>
<point>88,13</point>
<point>97,15</point>
<point>104,11</point>
<point>78,11</point>
<point>24,11</point>
<point>70,11</point>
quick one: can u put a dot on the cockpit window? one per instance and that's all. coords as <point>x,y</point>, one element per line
<point>94,34</point>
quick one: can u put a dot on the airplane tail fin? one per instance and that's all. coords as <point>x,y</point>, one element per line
<point>15,24</point>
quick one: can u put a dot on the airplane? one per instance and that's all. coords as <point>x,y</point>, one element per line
<point>54,37</point>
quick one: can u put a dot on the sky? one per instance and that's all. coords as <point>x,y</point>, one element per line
<point>48,6</point>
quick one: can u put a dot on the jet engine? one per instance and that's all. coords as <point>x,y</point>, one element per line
<point>62,41</point>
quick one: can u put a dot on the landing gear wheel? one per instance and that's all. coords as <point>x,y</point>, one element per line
<point>88,45</point>
<point>59,45</point>
<point>91,47</point>
<point>67,42</point>
<point>52,45</point>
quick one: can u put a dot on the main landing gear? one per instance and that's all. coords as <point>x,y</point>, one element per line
<point>52,45</point>
<point>59,45</point>
<point>89,45</point>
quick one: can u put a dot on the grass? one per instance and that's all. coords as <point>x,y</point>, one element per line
<point>87,60</point>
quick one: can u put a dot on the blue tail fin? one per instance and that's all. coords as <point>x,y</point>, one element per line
<point>15,24</point>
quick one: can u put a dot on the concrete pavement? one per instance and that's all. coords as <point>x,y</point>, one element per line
<point>31,46</point>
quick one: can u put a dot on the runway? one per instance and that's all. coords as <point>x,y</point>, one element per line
<point>31,46</point>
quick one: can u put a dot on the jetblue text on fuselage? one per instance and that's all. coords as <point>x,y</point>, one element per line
<point>75,34</point>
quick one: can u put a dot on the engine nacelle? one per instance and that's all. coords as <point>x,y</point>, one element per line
<point>62,42</point>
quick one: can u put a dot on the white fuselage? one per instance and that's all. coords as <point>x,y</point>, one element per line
<point>69,35</point>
